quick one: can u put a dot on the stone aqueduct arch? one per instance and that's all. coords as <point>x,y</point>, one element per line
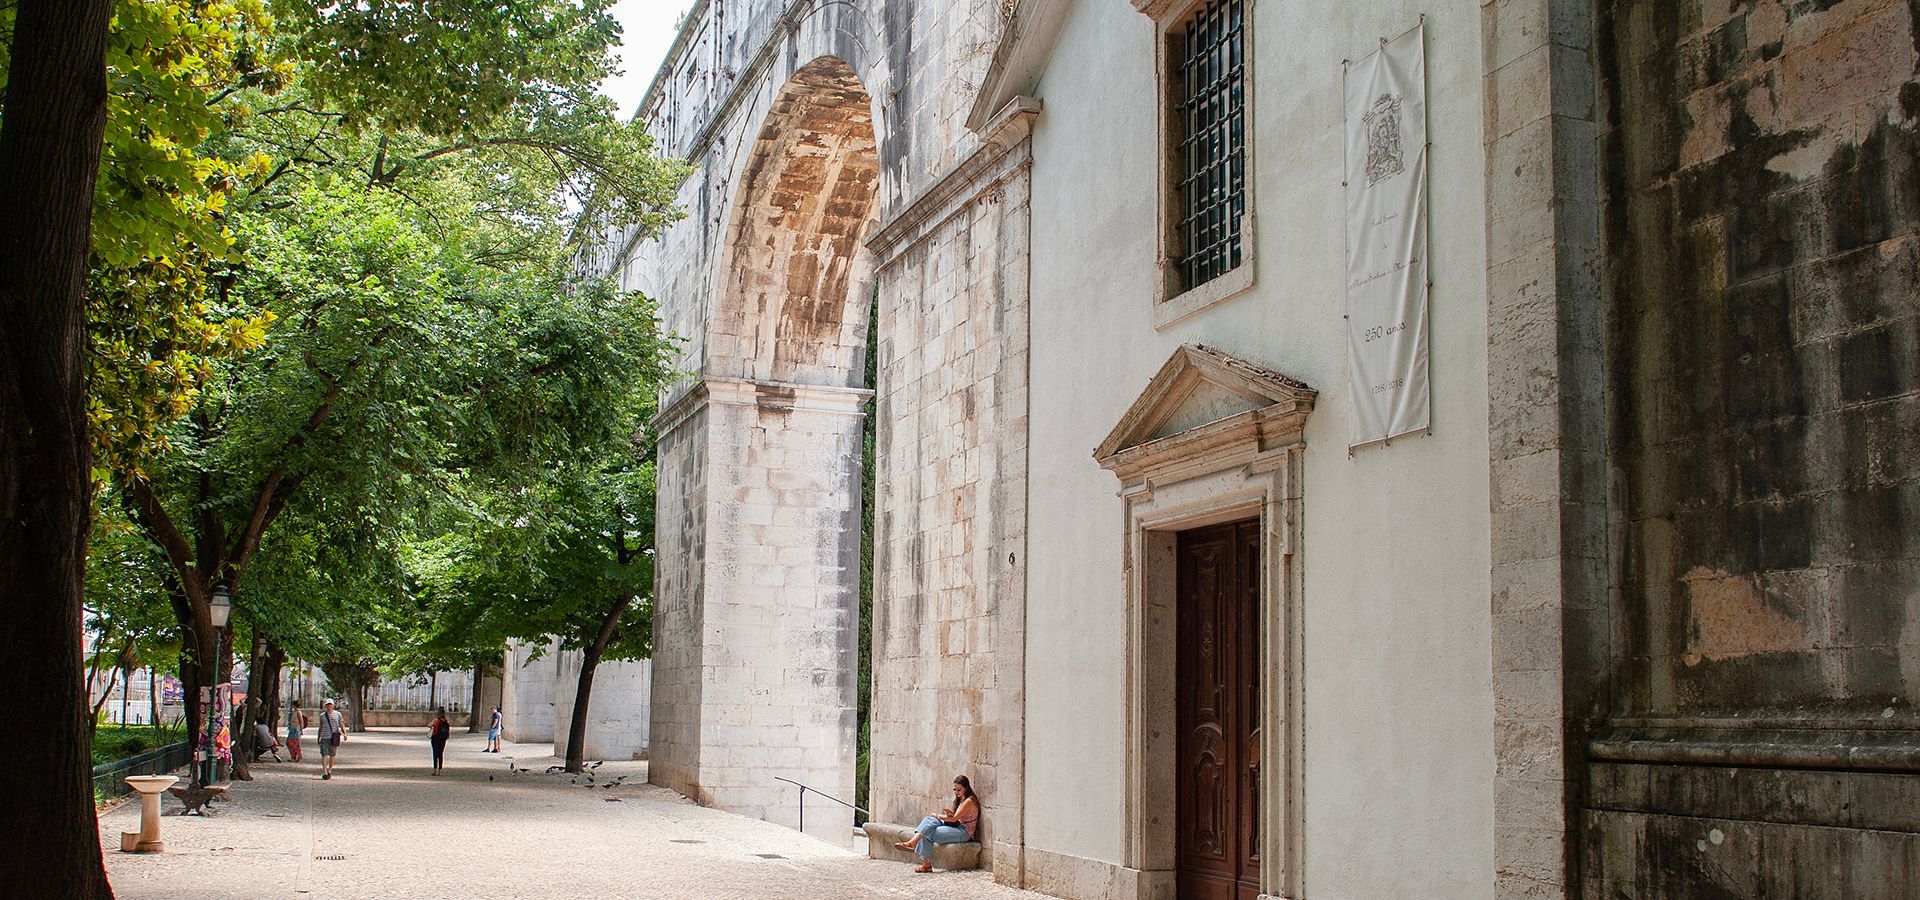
<point>828,180</point>
<point>757,621</point>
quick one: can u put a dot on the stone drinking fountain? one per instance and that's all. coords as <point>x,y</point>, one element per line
<point>147,839</point>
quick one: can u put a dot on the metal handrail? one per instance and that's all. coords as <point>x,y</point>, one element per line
<point>804,788</point>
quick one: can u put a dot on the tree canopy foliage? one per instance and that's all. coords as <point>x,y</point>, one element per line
<point>337,331</point>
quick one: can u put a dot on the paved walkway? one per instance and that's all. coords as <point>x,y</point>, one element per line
<point>383,828</point>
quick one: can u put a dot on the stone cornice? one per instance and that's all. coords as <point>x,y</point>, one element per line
<point>1238,440</point>
<point>766,394</point>
<point>1132,451</point>
<point>663,75</point>
<point>1159,10</point>
<point>1003,136</point>
<point>1020,56</point>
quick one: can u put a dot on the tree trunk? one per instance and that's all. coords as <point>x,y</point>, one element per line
<point>194,716</point>
<point>589,661</point>
<point>54,114</point>
<point>245,742</point>
<point>153,696</point>
<point>474,715</point>
<point>93,720</point>
<point>93,681</point>
<point>196,644</point>
<point>276,661</point>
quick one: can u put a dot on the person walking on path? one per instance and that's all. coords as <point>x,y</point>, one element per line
<point>437,735</point>
<point>951,826</point>
<point>493,732</point>
<point>296,725</point>
<point>332,730</point>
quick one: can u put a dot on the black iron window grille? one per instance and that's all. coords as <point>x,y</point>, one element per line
<point>1212,190</point>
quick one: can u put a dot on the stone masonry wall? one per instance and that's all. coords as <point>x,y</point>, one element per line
<point>950,553</point>
<point>779,617</point>
<point>617,713</point>
<point>680,514</point>
<point>1762,224</point>
<point>734,645</point>
<point>526,706</point>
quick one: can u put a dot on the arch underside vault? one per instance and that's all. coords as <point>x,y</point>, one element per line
<point>757,615</point>
<point>794,269</point>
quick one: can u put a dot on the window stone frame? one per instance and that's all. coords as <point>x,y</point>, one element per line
<point>1173,301</point>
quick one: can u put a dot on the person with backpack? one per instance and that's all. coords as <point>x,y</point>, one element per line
<point>332,730</point>
<point>437,735</point>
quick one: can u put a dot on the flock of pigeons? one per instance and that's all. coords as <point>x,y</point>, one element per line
<point>587,772</point>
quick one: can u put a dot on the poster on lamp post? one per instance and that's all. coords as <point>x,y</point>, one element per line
<point>1386,193</point>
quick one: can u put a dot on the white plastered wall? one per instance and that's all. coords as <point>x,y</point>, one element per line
<point>1399,746</point>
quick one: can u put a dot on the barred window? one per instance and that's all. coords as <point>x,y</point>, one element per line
<point>1212,190</point>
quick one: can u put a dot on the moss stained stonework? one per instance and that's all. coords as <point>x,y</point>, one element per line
<point>1762,231</point>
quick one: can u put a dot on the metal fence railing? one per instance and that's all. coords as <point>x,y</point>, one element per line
<point>108,778</point>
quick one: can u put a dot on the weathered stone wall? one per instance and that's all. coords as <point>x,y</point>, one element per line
<point>526,704</point>
<point>950,554</point>
<point>1762,225</point>
<point>680,529</point>
<point>778,607</point>
<point>810,122</point>
<point>617,712</point>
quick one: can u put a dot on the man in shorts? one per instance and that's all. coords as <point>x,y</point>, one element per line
<point>332,730</point>
<point>493,732</point>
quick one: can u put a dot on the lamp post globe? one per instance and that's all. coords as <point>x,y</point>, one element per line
<point>221,606</point>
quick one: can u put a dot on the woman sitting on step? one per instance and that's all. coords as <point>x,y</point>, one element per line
<point>951,826</point>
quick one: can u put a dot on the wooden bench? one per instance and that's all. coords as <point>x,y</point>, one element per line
<point>196,798</point>
<point>881,837</point>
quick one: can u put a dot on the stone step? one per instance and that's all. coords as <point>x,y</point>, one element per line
<point>881,837</point>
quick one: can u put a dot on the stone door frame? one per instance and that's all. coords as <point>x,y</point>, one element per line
<point>1265,488</point>
<point>1247,465</point>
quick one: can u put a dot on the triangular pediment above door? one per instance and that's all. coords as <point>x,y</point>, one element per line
<point>1201,399</point>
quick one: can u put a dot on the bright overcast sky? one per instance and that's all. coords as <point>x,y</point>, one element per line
<point>646,33</point>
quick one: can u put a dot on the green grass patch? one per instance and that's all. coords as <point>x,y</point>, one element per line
<point>116,742</point>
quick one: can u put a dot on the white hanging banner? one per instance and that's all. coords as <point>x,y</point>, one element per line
<point>1387,241</point>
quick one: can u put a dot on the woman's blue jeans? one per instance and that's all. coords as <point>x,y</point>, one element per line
<point>933,831</point>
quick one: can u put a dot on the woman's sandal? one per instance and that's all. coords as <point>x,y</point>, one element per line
<point>904,845</point>
<point>924,868</point>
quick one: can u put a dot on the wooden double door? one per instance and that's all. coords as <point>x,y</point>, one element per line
<point>1218,690</point>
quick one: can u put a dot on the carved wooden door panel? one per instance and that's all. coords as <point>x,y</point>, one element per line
<point>1219,703</point>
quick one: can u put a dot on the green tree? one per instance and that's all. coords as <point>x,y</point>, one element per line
<point>571,558</point>
<point>129,612</point>
<point>565,548</point>
<point>180,71</point>
<point>398,359</point>
<point>402,259</point>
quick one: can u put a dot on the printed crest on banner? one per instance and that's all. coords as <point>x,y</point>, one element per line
<point>1385,157</point>
<point>1388,387</point>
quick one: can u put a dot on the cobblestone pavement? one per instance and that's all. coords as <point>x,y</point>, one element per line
<point>384,828</point>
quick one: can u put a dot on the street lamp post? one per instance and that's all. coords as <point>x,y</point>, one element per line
<point>220,607</point>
